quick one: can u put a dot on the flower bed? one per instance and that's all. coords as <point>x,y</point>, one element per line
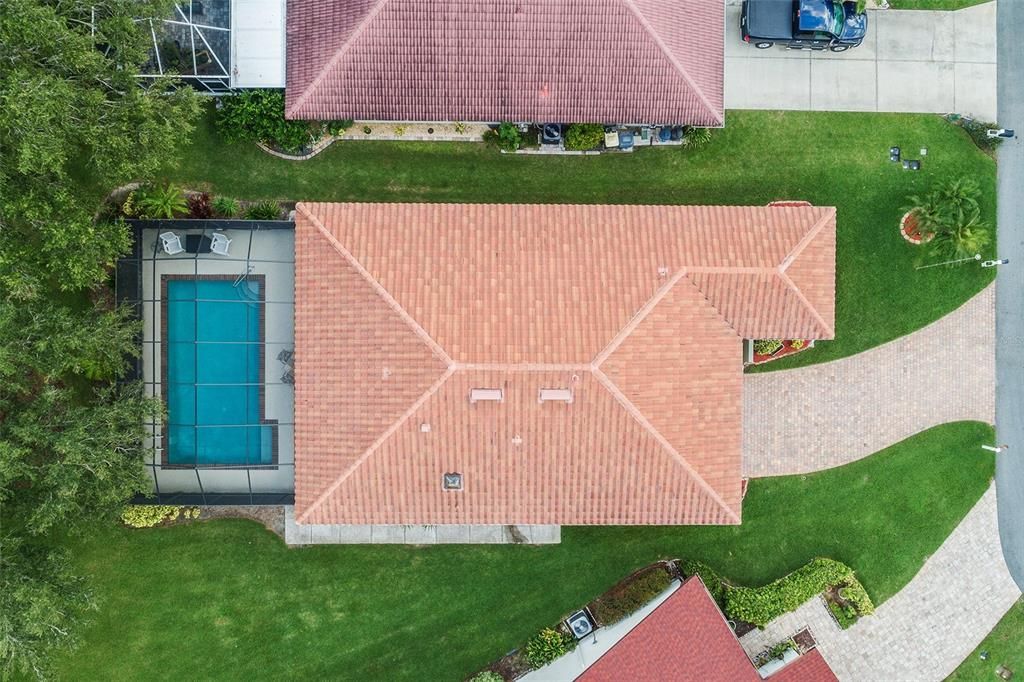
<point>909,231</point>
<point>762,354</point>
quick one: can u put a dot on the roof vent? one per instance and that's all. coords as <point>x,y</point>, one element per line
<point>425,427</point>
<point>386,372</point>
<point>517,440</point>
<point>493,394</point>
<point>663,271</point>
<point>452,481</point>
<point>561,395</point>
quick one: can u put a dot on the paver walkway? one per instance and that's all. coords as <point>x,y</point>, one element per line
<point>817,417</point>
<point>911,61</point>
<point>930,626</point>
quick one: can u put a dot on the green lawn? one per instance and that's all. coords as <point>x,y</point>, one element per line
<point>1005,645</point>
<point>838,159</point>
<point>227,600</point>
<point>934,4</point>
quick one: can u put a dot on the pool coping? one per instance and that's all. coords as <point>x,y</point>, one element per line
<point>164,432</point>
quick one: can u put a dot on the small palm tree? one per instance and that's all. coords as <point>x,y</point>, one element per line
<point>162,202</point>
<point>927,211</point>
<point>965,239</point>
<point>960,199</point>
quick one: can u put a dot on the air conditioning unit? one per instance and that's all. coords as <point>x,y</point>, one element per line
<point>580,624</point>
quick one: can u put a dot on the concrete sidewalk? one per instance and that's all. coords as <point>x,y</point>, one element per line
<point>911,61</point>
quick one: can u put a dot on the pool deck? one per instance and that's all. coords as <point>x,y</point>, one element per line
<point>269,253</point>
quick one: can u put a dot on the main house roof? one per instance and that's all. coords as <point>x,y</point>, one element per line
<point>636,312</point>
<point>604,61</point>
<point>686,639</point>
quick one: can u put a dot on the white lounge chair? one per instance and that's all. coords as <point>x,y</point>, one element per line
<point>219,243</point>
<point>171,243</point>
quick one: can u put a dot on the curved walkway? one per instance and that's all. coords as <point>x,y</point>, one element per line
<point>930,626</point>
<point>822,416</point>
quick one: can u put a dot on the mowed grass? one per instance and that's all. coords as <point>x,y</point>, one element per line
<point>1005,646</point>
<point>934,4</point>
<point>830,159</point>
<point>226,600</point>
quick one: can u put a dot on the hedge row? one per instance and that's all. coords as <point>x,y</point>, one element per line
<point>632,597</point>
<point>759,605</point>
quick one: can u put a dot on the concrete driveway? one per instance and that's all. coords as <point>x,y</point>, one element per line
<point>911,61</point>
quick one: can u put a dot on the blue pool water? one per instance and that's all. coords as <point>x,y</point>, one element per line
<point>214,374</point>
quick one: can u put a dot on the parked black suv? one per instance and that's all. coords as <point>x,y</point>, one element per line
<point>803,24</point>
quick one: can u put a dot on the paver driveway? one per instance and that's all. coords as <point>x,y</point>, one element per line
<point>930,626</point>
<point>911,61</point>
<point>812,418</point>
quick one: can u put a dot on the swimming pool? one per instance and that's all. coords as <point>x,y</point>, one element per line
<point>213,373</point>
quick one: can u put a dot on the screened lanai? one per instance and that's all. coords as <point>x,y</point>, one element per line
<point>216,299</point>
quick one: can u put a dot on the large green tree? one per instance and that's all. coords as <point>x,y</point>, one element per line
<point>74,123</point>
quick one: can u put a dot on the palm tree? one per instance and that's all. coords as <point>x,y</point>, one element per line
<point>960,199</point>
<point>162,202</point>
<point>927,211</point>
<point>964,239</point>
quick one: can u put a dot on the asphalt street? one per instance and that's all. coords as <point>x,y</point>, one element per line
<point>1010,291</point>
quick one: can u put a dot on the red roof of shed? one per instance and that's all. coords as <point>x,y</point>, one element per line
<point>604,61</point>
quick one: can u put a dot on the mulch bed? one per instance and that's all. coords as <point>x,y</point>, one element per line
<point>512,665</point>
<point>272,517</point>
<point>804,641</point>
<point>908,228</point>
<point>787,349</point>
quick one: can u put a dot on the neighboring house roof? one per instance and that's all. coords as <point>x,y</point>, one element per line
<point>639,311</point>
<point>686,639</point>
<point>603,61</point>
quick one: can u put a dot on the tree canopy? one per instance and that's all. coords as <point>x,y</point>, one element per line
<point>74,124</point>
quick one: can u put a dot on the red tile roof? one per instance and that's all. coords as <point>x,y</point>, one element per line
<point>686,639</point>
<point>403,309</point>
<point>605,61</point>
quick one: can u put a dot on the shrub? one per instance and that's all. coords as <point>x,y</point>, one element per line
<point>767,346</point>
<point>953,215</point>
<point>459,127</point>
<point>845,615</point>
<point>695,138</point>
<point>199,206</point>
<point>487,676</point>
<point>507,137</point>
<point>716,586</point>
<point>149,515</point>
<point>225,207</point>
<point>855,593</point>
<point>780,648</point>
<point>263,210</point>
<point>128,208</point>
<point>583,136</point>
<point>258,116</point>
<point>797,344</point>
<point>759,605</point>
<point>338,127</point>
<point>548,645</point>
<point>367,130</point>
<point>162,201</point>
<point>622,602</point>
<point>978,130</point>
<point>399,131</point>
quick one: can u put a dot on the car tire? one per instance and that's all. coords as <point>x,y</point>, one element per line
<point>763,45</point>
<point>839,48</point>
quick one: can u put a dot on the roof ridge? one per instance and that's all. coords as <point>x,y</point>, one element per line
<point>634,322</point>
<point>634,412</point>
<point>829,331</point>
<point>378,287</point>
<point>732,270</point>
<point>807,238</point>
<point>523,366</point>
<point>336,57</point>
<point>649,28</point>
<point>329,490</point>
